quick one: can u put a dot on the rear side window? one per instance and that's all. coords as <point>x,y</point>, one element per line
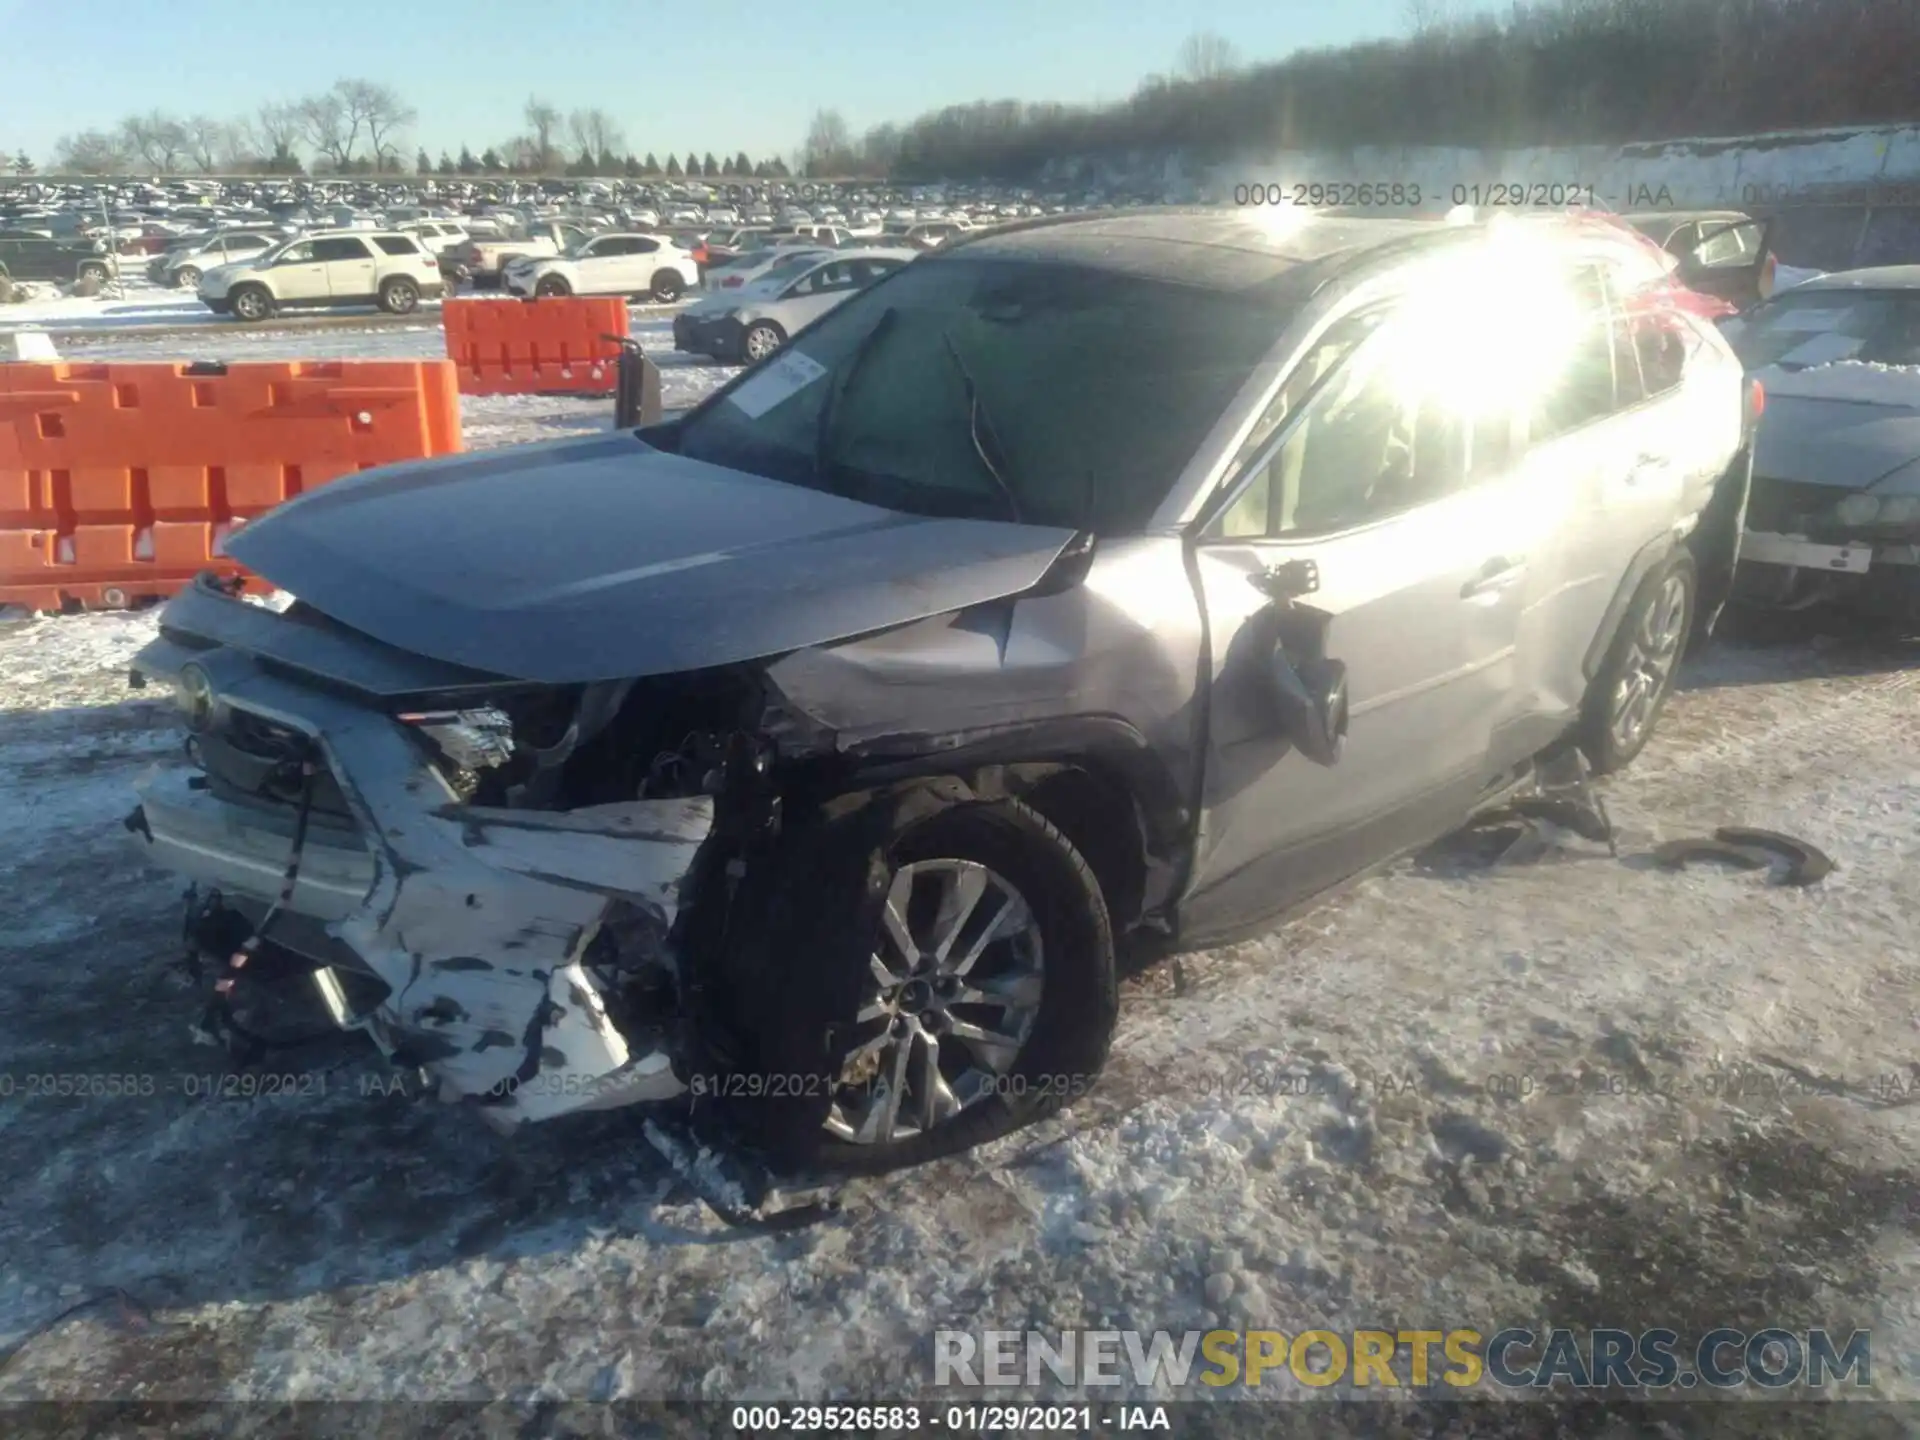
<point>341,247</point>
<point>1660,342</point>
<point>1584,390</point>
<point>396,245</point>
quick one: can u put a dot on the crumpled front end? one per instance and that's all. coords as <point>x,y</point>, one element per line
<point>504,939</point>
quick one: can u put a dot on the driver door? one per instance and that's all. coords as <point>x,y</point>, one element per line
<point>601,266</point>
<point>817,292</point>
<point>1406,509</point>
<point>299,275</point>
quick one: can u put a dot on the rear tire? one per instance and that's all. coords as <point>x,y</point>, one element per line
<point>94,273</point>
<point>399,296</point>
<point>186,278</point>
<point>1626,697</point>
<point>668,286</point>
<point>854,1028</point>
<point>251,303</point>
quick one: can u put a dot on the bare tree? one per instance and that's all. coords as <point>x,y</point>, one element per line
<point>91,152</point>
<point>829,145</point>
<point>380,112</point>
<point>156,138</point>
<point>543,123</point>
<point>1204,55</point>
<point>278,129</point>
<point>595,131</point>
<point>324,126</point>
<point>209,142</point>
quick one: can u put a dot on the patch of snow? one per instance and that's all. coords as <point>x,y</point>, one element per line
<point>1857,381</point>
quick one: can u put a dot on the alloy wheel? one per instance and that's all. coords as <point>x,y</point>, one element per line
<point>952,994</point>
<point>1650,661</point>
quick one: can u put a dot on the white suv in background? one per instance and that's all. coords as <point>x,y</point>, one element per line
<point>609,264</point>
<point>330,267</point>
<point>439,236</point>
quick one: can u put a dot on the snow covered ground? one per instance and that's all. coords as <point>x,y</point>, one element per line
<point>138,304</point>
<point>1317,1116</point>
<point>1316,1128</point>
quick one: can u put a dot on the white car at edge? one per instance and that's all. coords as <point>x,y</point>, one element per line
<point>615,263</point>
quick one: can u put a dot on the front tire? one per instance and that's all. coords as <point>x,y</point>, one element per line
<point>252,303</point>
<point>937,971</point>
<point>400,297</point>
<point>1626,697</point>
<point>94,273</point>
<point>186,278</point>
<point>763,337</point>
<point>552,287</point>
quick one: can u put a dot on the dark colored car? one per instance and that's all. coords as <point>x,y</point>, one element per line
<point>1096,583</point>
<point>1835,513</point>
<point>28,255</point>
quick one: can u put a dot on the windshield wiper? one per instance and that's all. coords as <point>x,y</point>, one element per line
<point>823,430</point>
<point>979,424</point>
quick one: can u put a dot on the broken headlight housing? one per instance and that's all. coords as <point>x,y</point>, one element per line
<point>469,739</point>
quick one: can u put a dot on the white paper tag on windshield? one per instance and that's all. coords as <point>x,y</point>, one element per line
<point>790,373</point>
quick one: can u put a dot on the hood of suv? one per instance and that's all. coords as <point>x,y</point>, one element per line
<point>608,559</point>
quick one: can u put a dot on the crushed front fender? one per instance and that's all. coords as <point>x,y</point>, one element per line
<point>478,921</point>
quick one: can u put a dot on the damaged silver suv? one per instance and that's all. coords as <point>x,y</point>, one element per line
<point>1100,582</point>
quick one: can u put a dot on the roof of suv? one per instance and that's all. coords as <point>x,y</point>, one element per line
<point>353,234</point>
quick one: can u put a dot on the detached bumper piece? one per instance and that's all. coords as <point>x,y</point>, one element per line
<point>477,921</point>
<point>1750,849</point>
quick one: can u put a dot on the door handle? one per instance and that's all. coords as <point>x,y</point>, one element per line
<point>1498,574</point>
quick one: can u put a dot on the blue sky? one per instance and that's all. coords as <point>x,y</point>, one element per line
<point>720,75</point>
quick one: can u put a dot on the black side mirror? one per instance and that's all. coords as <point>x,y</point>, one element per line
<point>1310,702</point>
<point>1306,691</point>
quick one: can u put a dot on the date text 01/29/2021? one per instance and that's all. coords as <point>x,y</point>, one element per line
<point>957,1419</point>
<point>1410,195</point>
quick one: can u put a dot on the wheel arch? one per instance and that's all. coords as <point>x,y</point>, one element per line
<point>1649,558</point>
<point>1095,777</point>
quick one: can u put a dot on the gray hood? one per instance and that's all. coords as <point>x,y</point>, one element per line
<point>607,559</point>
<point>1848,426</point>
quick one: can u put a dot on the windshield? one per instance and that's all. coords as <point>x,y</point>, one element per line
<point>1820,327</point>
<point>997,388</point>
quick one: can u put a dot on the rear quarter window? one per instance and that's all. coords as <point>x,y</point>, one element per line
<point>396,245</point>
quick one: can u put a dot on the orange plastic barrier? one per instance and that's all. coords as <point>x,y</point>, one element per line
<point>555,346</point>
<point>119,483</point>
